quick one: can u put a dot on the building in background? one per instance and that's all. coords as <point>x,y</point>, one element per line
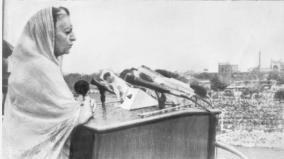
<point>277,66</point>
<point>226,70</point>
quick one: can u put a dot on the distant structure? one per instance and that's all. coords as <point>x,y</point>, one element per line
<point>226,70</point>
<point>229,73</point>
<point>259,61</point>
<point>277,66</point>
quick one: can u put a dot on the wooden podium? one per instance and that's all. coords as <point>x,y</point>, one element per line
<point>115,133</point>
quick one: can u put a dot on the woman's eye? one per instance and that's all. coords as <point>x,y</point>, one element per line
<point>68,31</point>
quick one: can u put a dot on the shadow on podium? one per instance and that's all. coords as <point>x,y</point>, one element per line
<point>82,142</point>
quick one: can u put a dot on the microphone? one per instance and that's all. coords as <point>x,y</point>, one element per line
<point>82,87</point>
<point>140,82</point>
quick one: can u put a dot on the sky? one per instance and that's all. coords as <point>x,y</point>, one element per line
<point>164,34</point>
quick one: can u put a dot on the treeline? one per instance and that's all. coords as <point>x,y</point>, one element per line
<point>279,77</point>
<point>71,78</point>
<point>215,82</point>
<point>279,95</point>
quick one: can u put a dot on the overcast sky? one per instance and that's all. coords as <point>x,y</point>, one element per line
<point>174,35</point>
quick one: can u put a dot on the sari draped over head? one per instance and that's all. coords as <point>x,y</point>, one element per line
<point>40,111</point>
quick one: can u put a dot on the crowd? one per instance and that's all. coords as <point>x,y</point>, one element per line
<point>251,122</point>
<point>250,114</point>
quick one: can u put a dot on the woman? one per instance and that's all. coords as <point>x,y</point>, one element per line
<point>40,110</point>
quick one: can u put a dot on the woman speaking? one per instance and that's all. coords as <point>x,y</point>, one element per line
<point>40,111</point>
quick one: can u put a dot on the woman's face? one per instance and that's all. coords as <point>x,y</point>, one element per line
<point>64,36</point>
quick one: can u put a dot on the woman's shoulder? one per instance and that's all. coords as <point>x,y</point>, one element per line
<point>42,64</point>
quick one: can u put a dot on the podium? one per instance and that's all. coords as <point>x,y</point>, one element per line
<point>115,133</point>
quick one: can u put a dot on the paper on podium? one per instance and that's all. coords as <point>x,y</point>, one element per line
<point>138,99</point>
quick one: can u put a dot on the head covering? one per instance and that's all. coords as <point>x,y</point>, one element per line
<point>40,111</point>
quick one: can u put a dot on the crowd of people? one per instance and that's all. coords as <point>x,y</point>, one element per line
<point>263,114</point>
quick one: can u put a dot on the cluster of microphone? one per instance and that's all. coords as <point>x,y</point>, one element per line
<point>82,87</point>
<point>144,80</point>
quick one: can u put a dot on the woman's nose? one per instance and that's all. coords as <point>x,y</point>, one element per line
<point>72,37</point>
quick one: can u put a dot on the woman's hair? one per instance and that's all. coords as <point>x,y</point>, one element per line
<point>55,11</point>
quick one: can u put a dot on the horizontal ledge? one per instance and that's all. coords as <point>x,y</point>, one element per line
<point>147,120</point>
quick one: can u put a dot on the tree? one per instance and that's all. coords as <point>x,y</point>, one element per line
<point>71,79</point>
<point>279,95</point>
<point>276,76</point>
<point>217,84</point>
<point>273,76</point>
<point>199,90</point>
<point>205,75</point>
<point>87,77</point>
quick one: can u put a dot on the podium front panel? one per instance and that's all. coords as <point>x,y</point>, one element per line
<point>181,135</point>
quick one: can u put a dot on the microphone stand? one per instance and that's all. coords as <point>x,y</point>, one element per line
<point>161,99</point>
<point>102,89</point>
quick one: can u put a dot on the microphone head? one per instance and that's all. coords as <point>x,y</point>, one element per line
<point>130,78</point>
<point>145,77</point>
<point>82,87</point>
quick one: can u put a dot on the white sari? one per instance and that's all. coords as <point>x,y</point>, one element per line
<point>40,111</point>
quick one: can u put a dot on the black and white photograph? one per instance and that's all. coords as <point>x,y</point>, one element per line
<point>142,79</point>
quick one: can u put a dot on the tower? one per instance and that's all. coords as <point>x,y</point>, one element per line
<point>259,61</point>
